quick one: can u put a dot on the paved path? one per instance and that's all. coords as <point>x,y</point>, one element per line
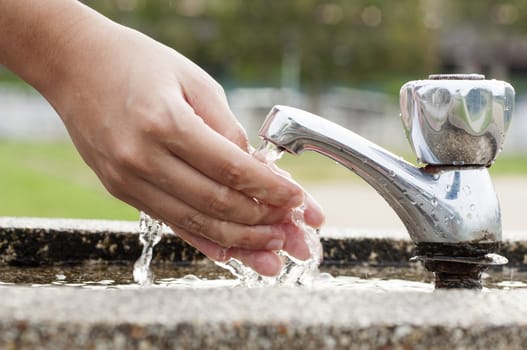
<point>355,204</point>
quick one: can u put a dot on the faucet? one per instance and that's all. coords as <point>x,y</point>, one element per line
<point>456,125</point>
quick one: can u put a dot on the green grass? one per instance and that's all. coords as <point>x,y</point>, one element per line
<point>509,165</point>
<point>313,167</point>
<point>51,180</point>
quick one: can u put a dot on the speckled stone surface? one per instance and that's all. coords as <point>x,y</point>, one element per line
<point>279,318</point>
<point>240,318</point>
<point>34,242</point>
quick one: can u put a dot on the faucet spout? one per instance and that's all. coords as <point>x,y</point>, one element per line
<point>447,204</point>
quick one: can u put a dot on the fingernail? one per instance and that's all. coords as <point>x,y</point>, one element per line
<point>296,200</point>
<point>275,244</point>
<point>313,215</point>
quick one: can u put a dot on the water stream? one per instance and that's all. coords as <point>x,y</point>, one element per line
<point>150,232</point>
<point>295,272</point>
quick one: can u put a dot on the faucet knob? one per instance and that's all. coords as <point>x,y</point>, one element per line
<point>456,119</point>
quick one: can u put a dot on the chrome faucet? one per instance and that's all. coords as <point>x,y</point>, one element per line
<point>456,124</point>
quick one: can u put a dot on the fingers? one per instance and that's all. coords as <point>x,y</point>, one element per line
<point>295,243</point>
<point>227,164</point>
<point>313,213</point>
<point>207,196</point>
<point>208,100</point>
<point>210,249</point>
<point>226,234</point>
<point>266,263</point>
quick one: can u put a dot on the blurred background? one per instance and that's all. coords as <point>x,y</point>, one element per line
<point>344,60</point>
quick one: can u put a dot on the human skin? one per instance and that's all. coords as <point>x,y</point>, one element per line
<point>157,131</point>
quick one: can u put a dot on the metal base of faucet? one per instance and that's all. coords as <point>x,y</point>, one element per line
<point>458,265</point>
<point>450,275</point>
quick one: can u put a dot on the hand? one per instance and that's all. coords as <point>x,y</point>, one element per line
<point>157,131</point>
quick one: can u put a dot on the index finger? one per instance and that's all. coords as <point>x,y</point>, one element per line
<point>223,161</point>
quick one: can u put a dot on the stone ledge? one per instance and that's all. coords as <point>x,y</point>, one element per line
<point>36,242</point>
<point>239,318</point>
<point>260,319</point>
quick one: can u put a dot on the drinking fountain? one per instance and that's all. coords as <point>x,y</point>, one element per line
<point>456,125</point>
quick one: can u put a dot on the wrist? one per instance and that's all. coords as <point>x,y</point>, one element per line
<point>47,43</point>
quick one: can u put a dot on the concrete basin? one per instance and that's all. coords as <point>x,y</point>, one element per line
<point>127,317</point>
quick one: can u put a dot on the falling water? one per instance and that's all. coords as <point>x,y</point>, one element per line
<point>150,231</point>
<point>295,272</point>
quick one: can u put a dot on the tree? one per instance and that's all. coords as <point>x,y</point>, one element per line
<point>333,41</point>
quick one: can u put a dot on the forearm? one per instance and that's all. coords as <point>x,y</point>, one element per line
<point>40,40</point>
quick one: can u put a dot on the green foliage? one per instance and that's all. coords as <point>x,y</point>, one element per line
<point>332,40</point>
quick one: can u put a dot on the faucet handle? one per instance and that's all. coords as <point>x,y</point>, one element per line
<point>456,119</point>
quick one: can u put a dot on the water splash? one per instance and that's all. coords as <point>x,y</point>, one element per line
<point>150,234</point>
<point>295,272</point>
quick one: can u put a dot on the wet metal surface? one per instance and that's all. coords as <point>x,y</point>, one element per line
<point>458,265</point>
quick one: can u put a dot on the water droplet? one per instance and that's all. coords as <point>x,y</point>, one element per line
<point>365,160</point>
<point>458,162</point>
<point>447,188</point>
<point>190,278</point>
<point>472,207</point>
<point>467,190</point>
<point>392,173</point>
<point>433,201</point>
<point>436,176</point>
